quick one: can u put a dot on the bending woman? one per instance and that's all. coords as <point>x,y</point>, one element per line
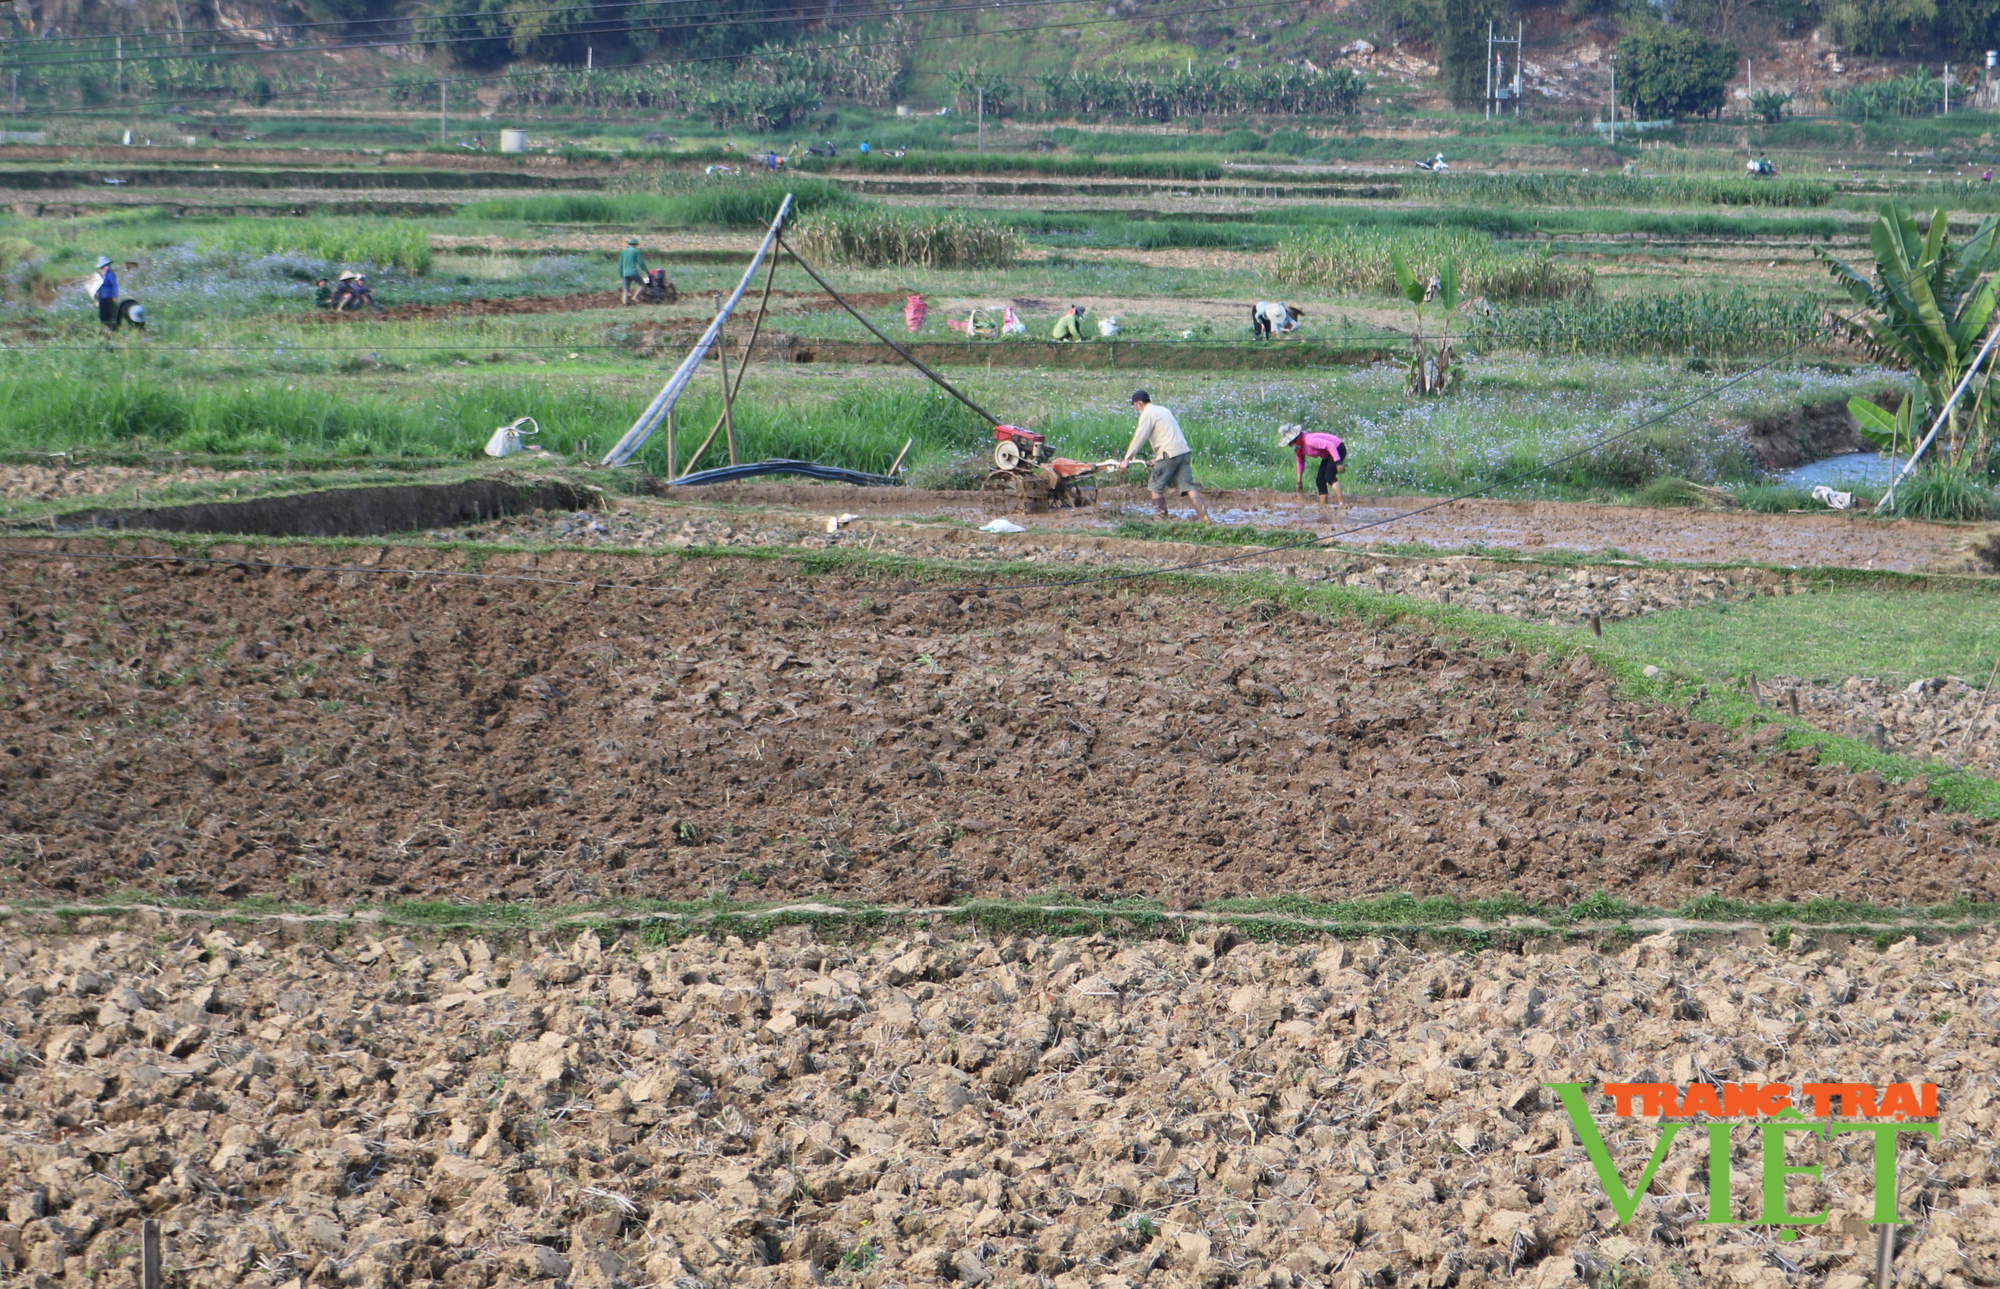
<point>1331,453</point>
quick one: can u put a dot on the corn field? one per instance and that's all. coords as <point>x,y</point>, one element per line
<point>885,239</point>
<point>1204,91</point>
<point>1697,324</point>
<point>1359,261</point>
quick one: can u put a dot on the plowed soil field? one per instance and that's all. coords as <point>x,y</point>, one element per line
<point>1078,1114</point>
<point>331,735</point>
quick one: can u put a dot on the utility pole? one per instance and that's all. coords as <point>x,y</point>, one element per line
<point>1520,59</point>
<point>118,43</point>
<point>589,57</point>
<point>982,118</point>
<point>441,115</point>
<point>1947,89</point>
<point>1489,69</point>
<point>1614,100</point>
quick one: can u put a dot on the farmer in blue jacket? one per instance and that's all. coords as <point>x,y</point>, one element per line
<point>107,293</point>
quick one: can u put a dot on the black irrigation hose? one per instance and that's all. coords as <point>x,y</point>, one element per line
<point>810,469</point>
<point>976,589</point>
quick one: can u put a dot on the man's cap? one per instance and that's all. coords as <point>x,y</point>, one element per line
<point>1141,396</point>
<point>631,241</point>
<point>104,261</point>
<point>1289,434</point>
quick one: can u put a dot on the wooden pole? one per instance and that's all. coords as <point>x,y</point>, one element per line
<point>728,400</point>
<point>670,444</point>
<point>728,393</point>
<point>757,323</point>
<point>149,1254</point>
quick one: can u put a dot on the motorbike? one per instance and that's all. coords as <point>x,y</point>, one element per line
<point>1436,164</point>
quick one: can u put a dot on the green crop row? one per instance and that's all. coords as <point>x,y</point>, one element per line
<point>1703,324</point>
<point>876,238</point>
<point>1605,189</point>
<point>386,243</point>
<point>1033,163</point>
<point>717,201</point>
<point>1360,261</point>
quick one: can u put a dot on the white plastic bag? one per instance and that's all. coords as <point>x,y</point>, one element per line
<point>1830,499</point>
<point>1002,526</point>
<point>506,440</point>
<point>1107,327</point>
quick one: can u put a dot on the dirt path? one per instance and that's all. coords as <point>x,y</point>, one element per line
<point>376,735</point>
<point>1692,536</point>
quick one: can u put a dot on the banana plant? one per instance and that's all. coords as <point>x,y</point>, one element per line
<point>1890,432</point>
<point>1926,308</point>
<point>1429,373</point>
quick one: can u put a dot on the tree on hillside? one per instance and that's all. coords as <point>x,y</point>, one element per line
<point>1668,72</point>
<point>1462,48</point>
<point>1966,28</point>
<point>489,33</point>
<point>1878,26</point>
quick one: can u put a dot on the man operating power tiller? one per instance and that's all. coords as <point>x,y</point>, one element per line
<point>1173,459</point>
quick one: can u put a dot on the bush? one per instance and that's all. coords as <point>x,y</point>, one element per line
<point>1771,105</point>
<point>1774,498</point>
<point>1204,91</point>
<point>1667,490</point>
<point>1943,492</point>
<point>22,275</point>
<point>1359,261</point>
<point>877,238</point>
<point>386,243</point>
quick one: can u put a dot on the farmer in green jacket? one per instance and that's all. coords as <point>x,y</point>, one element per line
<point>631,267</point>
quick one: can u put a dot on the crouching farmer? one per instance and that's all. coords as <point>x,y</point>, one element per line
<point>1173,459</point>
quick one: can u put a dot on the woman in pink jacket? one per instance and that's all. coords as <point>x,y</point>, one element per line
<point>1332,454</point>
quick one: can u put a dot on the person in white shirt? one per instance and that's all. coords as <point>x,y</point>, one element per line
<point>1173,459</point>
